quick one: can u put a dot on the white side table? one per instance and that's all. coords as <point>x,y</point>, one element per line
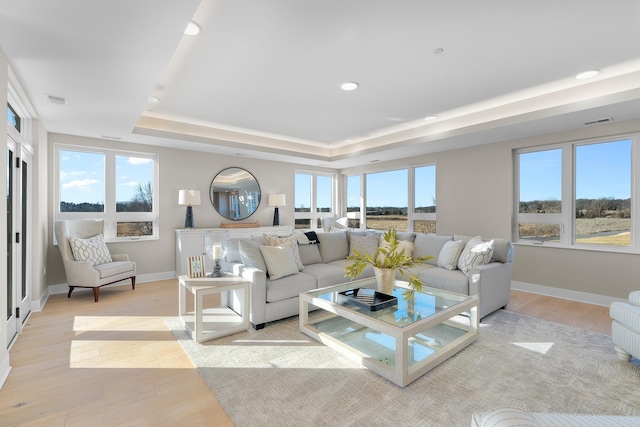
<point>208,323</point>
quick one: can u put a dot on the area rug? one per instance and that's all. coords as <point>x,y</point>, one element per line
<point>278,376</point>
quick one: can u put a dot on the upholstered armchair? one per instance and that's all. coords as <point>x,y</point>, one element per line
<point>625,328</point>
<point>87,260</point>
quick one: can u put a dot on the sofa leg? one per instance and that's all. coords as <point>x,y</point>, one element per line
<point>622,354</point>
<point>96,292</point>
<point>258,326</point>
<point>133,283</point>
<point>71,288</point>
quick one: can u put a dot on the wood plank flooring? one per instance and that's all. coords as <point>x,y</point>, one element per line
<point>114,363</point>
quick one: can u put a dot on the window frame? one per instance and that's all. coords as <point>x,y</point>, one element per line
<point>313,216</point>
<point>110,215</point>
<point>566,219</point>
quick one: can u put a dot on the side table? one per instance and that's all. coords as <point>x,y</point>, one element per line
<point>208,323</point>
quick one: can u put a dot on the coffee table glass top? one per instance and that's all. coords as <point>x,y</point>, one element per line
<point>425,304</point>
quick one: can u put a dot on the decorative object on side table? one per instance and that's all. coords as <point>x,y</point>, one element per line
<point>276,200</point>
<point>189,198</point>
<point>195,266</point>
<point>387,259</point>
<point>216,244</point>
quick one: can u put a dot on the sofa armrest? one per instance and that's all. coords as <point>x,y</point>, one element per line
<point>258,293</point>
<point>81,273</point>
<point>634,298</point>
<point>492,282</point>
<point>120,257</point>
<point>626,314</point>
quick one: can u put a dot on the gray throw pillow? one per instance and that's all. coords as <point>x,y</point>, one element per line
<point>250,254</point>
<point>364,244</point>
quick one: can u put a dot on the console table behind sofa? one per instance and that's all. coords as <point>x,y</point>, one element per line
<point>190,242</point>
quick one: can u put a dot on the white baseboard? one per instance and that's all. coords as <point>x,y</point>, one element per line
<point>5,368</point>
<point>586,297</point>
<point>63,288</point>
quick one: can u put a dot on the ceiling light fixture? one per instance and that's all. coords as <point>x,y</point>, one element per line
<point>192,29</point>
<point>431,118</point>
<point>587,74</point>
<point>348,86</point>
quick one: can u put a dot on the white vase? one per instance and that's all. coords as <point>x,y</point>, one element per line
<point>385,279</point>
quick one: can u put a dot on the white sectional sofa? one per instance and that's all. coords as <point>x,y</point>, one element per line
<point>274,294</point>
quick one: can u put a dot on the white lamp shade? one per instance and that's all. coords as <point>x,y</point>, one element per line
<point>277,200</point>
<point>189,198</point>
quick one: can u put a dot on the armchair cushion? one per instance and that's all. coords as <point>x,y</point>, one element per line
<point>93,249</point>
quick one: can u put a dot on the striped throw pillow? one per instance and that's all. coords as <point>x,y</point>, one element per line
<point>280,261</point>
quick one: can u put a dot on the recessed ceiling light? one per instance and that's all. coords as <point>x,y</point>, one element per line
<point>192,29</point>
<point>587,74</point>
<point>349,86</point>
<point>438,51</point>
<point>153,100</point>
<point>159,87</point>
<point>431,118</point>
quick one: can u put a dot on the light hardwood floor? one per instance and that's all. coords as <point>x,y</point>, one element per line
<point>114,363</point>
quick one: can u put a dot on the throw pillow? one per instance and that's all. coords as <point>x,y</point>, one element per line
<point>312,236</point>
<point>404,246</point>
<point>364,244</point>
<point>250,254</point>
<point>93,249</point>
<point>286,241</point>
<point>280,261</point>
<point>450,254</point>
<point>475,253</point>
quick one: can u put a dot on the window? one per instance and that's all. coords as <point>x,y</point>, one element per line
<point>314,198</point>
<point>13,117</point>
<point>576,194</point>
<point>404,199</point>
<point>424,199</point>
<point>387,200</point>
<point>115,186</point>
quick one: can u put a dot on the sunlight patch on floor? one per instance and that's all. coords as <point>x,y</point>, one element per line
<point>118,323</point>
<point>538,347</point>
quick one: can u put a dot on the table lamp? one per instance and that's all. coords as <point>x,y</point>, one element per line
<point>189,198</point>
<point>276,200</point>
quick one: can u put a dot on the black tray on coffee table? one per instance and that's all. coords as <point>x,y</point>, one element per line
<point>368,298</point>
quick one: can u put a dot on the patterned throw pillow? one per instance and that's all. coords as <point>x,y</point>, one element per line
<point>475,253</point>
<point>286,241</point>
<point>450,254</point>
<point>280,261</point>
<point>364,244</point>
<point>93,249</point>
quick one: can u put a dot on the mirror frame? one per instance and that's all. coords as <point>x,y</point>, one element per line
<point>227,182</point>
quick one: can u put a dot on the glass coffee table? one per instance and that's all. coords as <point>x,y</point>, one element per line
<point>400,342</point>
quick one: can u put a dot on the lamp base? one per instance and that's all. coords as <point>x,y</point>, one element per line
<point>276,217</point>
<point>188,220</point>
<point>217,270</point>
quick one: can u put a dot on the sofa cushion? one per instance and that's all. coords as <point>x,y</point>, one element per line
<point>286,241</point>
<point>363,244</point>
<point>93,249</point>
<point>309,254</point>
<point>429,245</point>
<point>326,274</point>
<point>476,252</point>
<point>333,246</point>
<point>250,254</point>
<point>405,235</point>
<point>344,263</point>
<point>289,287</point>
<point>502,250</point>
<point>112,268</point>
<point>448,280</point>
<point>280,261</point>
<point>450,254</point>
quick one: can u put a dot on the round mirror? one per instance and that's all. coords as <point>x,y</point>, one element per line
<point>235,193</point>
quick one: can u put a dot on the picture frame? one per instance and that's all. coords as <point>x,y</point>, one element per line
<point>195,266</point>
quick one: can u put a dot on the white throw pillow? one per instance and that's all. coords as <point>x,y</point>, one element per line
<point>250,254</point>
<point>280,261</point>
<point>93,249</point>
<point>404,246</point>
<point>475,253</point>
<point>286,241</point>
<point>450,254</point>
